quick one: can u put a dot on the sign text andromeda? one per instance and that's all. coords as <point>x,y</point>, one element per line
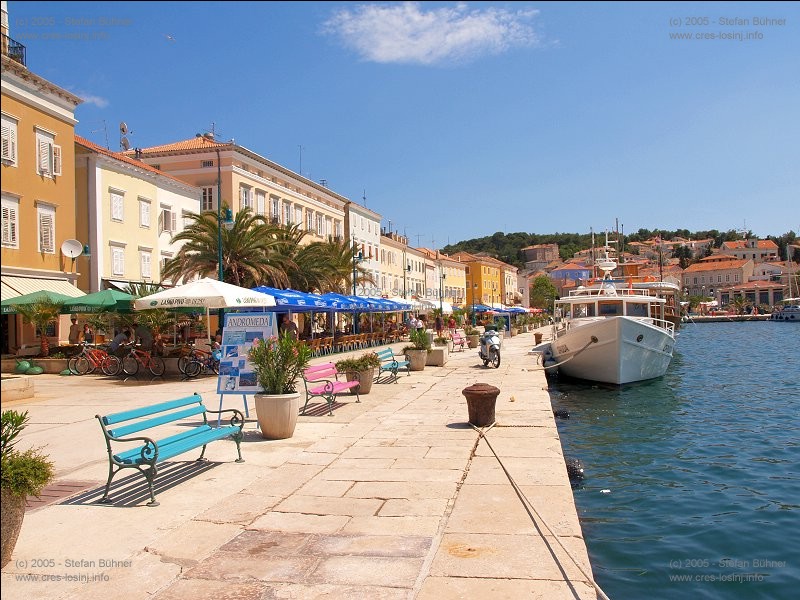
<point>251,321</point>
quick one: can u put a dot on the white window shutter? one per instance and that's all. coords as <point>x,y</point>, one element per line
<point>44,157</point>
<point>46,233</point>
<point>173,225</point>
<point>9,226</point>
<point>56,160</point>
<point>9,136</point>
<point>161,221</point>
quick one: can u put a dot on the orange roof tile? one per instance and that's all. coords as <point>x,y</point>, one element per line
<point>125,159</point>
<point>716,266</point>
<point>195,143</point>
<point>743,244</point>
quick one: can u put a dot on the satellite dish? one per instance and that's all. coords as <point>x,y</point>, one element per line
<point>123,128</point>
<point>72,248</point>
<point>126,145</point>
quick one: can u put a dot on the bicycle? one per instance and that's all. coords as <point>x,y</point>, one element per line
<point>137,357</point>
<point>189,352</point>
<point>207,361</point>
<point>89,359</point>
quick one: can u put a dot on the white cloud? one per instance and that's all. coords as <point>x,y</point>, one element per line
<point>405,33</point>
<point>98,101</point>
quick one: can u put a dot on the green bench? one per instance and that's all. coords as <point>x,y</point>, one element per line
<point>148,452</point>
<point>390,364</point>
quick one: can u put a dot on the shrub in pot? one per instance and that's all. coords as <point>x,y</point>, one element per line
<point>361,369</point>
<point>23,474</point>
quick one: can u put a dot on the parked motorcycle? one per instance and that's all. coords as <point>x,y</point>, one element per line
<point>489,350</point>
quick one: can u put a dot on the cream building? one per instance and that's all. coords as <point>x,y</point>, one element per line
<point>130,213</point>
<point>363,227</point>
<point>246,179</point>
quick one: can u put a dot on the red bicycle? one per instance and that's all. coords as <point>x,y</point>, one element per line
<point>137,358</point>
<point>90,359</point>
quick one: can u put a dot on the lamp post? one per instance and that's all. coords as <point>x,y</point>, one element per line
<point>357,258</point>
<point>219,218</point>
<point>441,292</point>
<point>406,270</point>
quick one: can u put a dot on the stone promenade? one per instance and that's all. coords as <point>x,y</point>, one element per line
<point>394,497</point>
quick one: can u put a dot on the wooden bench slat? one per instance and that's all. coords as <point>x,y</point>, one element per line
<point>150,410</point>
<point>156,421</point>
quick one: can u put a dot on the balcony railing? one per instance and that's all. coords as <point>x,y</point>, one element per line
<point>13,49</point>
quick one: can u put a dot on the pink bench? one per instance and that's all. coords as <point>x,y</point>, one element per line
<point>322,381</point>
<point>459,341</point>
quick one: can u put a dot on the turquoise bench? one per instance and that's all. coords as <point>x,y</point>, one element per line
<point>390,364</point>
<point>145,456</point>
<point>322,381</point>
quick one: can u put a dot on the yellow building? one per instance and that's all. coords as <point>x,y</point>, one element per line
<point>484,276</point>
<point>249,180</point>
<point>38,190</point>
<point>130,212</point>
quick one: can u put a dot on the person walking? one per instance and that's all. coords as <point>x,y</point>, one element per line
<point>438,325</point>
<point>287,324</point>
<point>75,331</point>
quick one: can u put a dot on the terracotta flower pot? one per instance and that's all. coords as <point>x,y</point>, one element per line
<point>481,400</point>
<point>277,414</point>
<point>13,511</point>
<point>364,378</point>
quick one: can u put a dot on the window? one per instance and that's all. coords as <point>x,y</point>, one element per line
<point>118,260</point>
<point>117,205</point>
<point>47,229</point>
<point>287,213</point>
<point>144,212</point>
<point>145,261</point>
<point>309,220</point>
<point>207,201</point>
<point>320,224</point>
<point>207,163</point>
<point>9,137</point>
<point>298,215</point>
<point>245,198</point>
<point>10,222</point>
<point>48,155</point>
<point>274,208</point>
<point>261,202</point>
<point>167,220</point>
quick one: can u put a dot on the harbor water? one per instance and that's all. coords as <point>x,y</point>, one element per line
<point>692,481</point>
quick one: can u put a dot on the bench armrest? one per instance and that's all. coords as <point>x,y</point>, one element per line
<point>236,420</point>
<point>149,450</point>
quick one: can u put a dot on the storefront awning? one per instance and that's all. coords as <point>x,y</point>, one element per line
<point>14,286</point>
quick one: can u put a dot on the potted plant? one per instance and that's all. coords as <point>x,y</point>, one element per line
<point>473,337</point>
<point>417,352</point>
<point>23,474</point>
<point>41,314</point>
<point>361,369</point>
<point>277,363</point>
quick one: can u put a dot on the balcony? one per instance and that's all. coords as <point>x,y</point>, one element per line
<point>13,50</point>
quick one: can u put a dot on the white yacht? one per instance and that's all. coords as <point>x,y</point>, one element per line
<point>611,333</point>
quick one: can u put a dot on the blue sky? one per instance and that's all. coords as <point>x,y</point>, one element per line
<point>460,120</point>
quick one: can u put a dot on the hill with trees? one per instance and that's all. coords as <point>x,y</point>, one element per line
<point>507,247</point>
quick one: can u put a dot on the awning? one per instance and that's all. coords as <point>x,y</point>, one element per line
<point>122,286</point>
<point>14,286</point>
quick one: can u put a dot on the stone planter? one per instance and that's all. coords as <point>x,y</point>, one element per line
<point>12,512</point>
<point>514,331</point>
<point>416,359</point>
<point>481,401</point>
<point>277,414</point>
<point>473,340</point>
<point>364,378</point>
<point>437,357</point>
<point>537,338</point>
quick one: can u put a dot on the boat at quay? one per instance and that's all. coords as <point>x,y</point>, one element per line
<point>609,333</point>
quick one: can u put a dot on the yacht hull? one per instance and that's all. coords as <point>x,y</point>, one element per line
<point>626,350</point>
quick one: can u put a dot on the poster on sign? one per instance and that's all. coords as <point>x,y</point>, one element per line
<point>241,330</point>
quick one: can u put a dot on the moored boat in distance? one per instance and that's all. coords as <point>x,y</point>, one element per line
<point>788,312</point>
<point>611,333</point>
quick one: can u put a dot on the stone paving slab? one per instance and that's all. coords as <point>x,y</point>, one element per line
<point>394,497</point>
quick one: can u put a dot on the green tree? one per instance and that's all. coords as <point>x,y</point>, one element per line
<point>41,314</point>
<point>250,250</point>
<point>542,292</point>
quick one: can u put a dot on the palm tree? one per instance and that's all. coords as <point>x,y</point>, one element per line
<point>41,314</point>
<point>334,262</point>
<point>248,249</point>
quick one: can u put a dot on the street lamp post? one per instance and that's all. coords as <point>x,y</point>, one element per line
<point>357,258</point>
<point>219,218</point>
<point>406,270</point>
<point>441,293</point>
